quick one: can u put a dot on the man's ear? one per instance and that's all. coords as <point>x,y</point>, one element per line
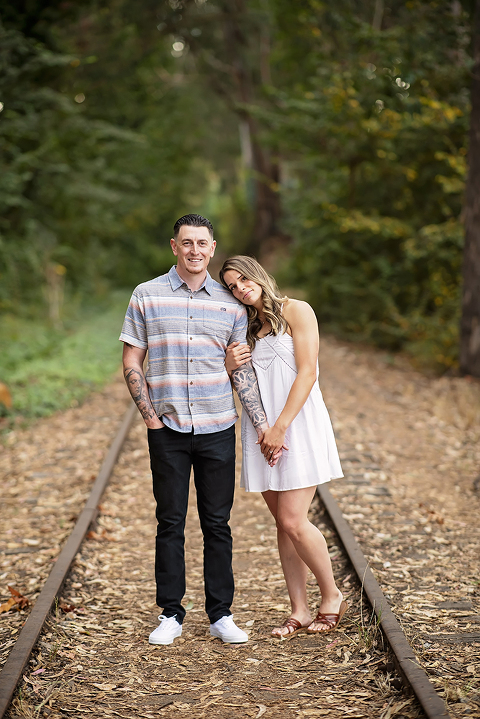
<point>173,245</point>
<point>214,244</point>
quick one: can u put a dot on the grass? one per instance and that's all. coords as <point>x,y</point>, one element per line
<point>47,369</point>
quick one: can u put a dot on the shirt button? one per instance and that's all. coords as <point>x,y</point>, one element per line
<point>191,404</point>
<point>191,298</point>
<point>191,360</point>
<point>191,382</point>
<point>191,317</point>
<point>191,338</point>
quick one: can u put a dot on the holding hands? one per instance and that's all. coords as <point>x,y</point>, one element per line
<point>272,444</point>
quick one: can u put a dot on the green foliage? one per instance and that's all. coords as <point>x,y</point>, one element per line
<point>376,133</point>
<point>47,370</point>
<point>97,155</point>
<point>117,118</point>
<point>59,204</point>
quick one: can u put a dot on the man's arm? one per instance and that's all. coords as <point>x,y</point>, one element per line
<point>246,384</point>
<point>133,358</point>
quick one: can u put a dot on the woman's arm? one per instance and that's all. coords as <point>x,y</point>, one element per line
<point>304,329</point>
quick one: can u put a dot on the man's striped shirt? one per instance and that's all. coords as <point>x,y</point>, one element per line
<point>186,334</point>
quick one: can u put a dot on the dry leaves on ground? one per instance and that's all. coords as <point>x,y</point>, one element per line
<point>403,459</point>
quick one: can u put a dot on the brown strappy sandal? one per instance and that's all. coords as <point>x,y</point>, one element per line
<point>295,624</point>
<point>331,620</point>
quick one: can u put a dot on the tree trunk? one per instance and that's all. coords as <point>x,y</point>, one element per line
<point>267,199</point>
<point>470,321</point>
<point>378,15</point>
<point>265,169</point>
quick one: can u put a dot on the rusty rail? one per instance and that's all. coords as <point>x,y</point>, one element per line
<point>405,659</point>
<point>28,637</point>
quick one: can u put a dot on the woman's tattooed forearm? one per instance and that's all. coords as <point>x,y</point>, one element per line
<point>138,389</point>
<point>245,381</point>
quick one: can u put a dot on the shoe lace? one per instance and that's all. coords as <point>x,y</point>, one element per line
<point>226,621</point>
<point>166,620</point>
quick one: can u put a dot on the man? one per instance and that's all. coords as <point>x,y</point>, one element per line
<point>186,320</point>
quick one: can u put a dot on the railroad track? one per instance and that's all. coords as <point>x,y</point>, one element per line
<point>414,677</point>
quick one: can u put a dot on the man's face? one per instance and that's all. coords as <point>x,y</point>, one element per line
<point>193,249</point>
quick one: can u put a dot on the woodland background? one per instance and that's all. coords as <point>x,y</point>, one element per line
<point>328,139</point>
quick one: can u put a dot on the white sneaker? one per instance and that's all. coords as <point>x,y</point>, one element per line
<point>168,630</point>
<point>226,630</point>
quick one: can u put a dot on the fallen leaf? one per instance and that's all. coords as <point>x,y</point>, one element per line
<point>19,598</point>
<point>395,709</point>
<point>346,657</point>
<point>98,536</point>
<point>66,607</point>
<point>272,689</point>
<point>7,605</point>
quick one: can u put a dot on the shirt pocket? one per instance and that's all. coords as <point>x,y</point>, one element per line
<point>217,322</point>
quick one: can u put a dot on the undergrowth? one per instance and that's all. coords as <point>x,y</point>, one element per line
<point>47,369</point>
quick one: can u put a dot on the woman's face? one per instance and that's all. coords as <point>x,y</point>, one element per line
<point>247,291</point>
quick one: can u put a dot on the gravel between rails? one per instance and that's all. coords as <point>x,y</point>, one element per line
<point>401,473</point>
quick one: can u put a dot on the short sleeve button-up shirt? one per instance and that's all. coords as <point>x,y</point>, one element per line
<point>186,334</point>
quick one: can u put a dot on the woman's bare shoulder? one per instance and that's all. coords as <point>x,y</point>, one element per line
<point>297,310</point>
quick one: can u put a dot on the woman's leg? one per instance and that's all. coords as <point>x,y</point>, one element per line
<point>310,545</point>
<point>294,569</point>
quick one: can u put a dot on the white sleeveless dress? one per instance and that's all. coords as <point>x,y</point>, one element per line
<point>312,457</point>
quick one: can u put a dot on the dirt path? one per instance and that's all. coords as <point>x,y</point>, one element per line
<point>413,505</point>
<point>95,659</point>
<point>402,461</point>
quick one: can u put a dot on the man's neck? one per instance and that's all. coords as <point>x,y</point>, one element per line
<point>193,282</point>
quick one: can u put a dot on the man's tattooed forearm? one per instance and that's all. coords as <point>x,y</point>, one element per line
<point>245,381</point>
<point>138,389</point>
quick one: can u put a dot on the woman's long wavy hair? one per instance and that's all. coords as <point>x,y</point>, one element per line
<point>272,299</point>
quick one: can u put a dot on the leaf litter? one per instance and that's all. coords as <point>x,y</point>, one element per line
<point>94,652</point>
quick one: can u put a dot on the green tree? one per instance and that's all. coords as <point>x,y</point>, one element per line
<point>373,135</point>
<point>99,154</point>
<point>227,47</point>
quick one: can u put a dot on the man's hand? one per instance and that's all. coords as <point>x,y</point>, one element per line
<point>236,355</point>
<point>154,423</point>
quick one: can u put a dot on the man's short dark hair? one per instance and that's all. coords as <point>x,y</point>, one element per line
<point>192,221</point>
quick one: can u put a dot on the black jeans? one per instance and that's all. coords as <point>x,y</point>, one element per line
<point>212,456</point>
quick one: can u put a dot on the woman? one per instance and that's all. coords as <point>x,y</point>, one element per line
<point>283,337</point>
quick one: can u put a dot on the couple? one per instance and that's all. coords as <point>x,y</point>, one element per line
<point>186,321</point>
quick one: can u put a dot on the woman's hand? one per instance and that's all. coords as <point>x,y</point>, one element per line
<point>272,444</point>
<point>237,354</point>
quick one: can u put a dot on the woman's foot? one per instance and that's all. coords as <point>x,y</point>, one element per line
<point>329,616</point>
<point>290,627</point>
